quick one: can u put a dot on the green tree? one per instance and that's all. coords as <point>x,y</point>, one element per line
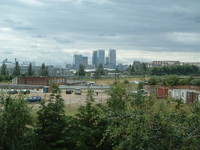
<point>139,69</point>
<point>91,125</point>
<point>30,70</point>
<point>15,123</point>
<point>154,80</point>
<point>118,97</point>
<point>131,70</point>
<point>175,70</point>
<point>81,70</point>
<point>171,80</point>
<point>195,82</point>
<point>16,70</point>
<point>152,125</point>
<point>51,124</point>
<point>126,81</point>
<point>4,70</point>
<point>44,70</point>
<point>100,70</point>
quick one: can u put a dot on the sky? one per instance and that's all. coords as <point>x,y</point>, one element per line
<point>52,31</point>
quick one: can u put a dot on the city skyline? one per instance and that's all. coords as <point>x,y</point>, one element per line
<point>52,31</point>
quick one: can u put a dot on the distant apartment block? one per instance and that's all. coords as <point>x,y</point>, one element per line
<point>79,59</point>
<point>191,63</point>
<point>122,67</point>
<point>162,63</point>
<point>136,63</point>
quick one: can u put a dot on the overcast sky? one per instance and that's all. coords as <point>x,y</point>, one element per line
<point>52,31</point>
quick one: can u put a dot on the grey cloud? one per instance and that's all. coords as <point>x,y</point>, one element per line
<point>18,24</point>
<point>91,24</point>
<point>107,35</point>
<point>41,36</point>
<point>23,28</point>
<point>7,52</point>
<point>63,40</point>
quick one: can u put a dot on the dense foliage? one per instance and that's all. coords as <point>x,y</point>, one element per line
<point>81,70</point>
<point>15,123</point>
<point>5,78</point>
<point>142,69</point>
<point>127,121</point>
<point>173,80</point>
<point>175,70</point>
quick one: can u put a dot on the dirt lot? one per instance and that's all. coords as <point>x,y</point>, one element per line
<point>72,99</point>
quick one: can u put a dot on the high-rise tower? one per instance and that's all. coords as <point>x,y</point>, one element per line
<point>101,57</point>
<point>112,58</point>
<point>94,59</point>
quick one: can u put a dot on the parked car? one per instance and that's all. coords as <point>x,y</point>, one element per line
<point>69,91</point>
<point>25,91</point>
<point>12,91</point>
<point>34,99</point>
<point>78,91</point>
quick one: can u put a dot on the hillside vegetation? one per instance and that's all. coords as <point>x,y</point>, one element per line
<point>126,122</point>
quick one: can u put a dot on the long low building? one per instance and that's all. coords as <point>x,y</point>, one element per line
<point>44,81</point>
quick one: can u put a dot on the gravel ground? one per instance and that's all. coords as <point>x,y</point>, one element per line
<point>72,99</point>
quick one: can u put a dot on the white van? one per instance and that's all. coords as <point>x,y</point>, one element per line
<point>77,91</point>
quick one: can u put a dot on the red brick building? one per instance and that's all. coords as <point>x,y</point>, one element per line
<point>46,81</point>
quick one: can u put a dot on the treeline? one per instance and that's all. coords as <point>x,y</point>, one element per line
<point>164,70</point>
<point>125,122</point>
<point>5,78</point>
<point>8,74</point>
<point>173,80</point>
<point>175,70</point>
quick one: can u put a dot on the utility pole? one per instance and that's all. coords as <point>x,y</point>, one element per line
<point>115,75</point>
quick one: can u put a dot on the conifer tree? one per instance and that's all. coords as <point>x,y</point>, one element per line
<point>51,124</point>
<point>4,70</point>
<point>15,123</point>
<point>16,71</point>
<point>81,70</point>
<point>30,70</point>
<point>44,70</point>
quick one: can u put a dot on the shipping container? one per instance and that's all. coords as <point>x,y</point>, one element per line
<point>192,97</point>
<point>182,94</point>
<point>198,97</point>
<point>162,92</point>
